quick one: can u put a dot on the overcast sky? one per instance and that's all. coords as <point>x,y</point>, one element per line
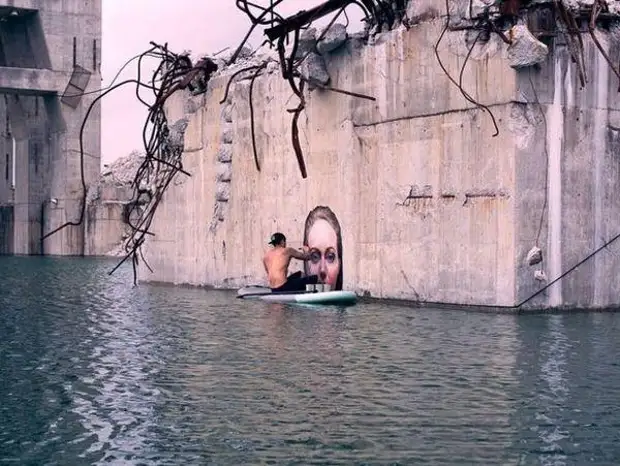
<point>200,26</point>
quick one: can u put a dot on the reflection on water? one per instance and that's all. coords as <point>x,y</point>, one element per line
<point>553,396</point>
<point>96,371</point>
<point>569,379</point>
<point>117,394</point>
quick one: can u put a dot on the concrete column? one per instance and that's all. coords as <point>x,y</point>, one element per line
<point>52,79</point>
<point>21,224</point>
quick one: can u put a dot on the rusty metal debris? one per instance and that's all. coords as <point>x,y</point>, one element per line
<point>571,22</point>
<point>564,21</point>
<point>574,40</point>
<point>487,25</point>
<point>378,14</point>
<point>164,145</point>
<point>597,9</point>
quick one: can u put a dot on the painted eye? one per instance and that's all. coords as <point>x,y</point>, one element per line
<point>330,257</point>
<point>315,256</point>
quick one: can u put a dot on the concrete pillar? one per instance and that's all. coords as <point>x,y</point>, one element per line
<point>50,81</point>
<point>21,216</point>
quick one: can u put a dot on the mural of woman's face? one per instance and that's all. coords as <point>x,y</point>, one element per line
<point>323,244</point>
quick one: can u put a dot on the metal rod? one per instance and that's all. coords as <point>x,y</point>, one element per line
<point>300,19</point>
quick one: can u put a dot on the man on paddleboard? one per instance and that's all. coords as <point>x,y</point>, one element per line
<point>276,262</point>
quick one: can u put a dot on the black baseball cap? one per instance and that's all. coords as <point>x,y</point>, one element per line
<point>277,238</point>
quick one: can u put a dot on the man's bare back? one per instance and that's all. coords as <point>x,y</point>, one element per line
<point>276,263</point>
<point>277,260</point>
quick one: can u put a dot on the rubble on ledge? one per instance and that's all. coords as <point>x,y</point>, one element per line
<point>114,186</point>
<point>315,45</point>
<point>122,170</point>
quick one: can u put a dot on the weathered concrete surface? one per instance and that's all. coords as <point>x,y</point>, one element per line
<point>31,81</point>
<point>106,203</point>
<point>42,44</point>
<point>364,159</point>
<point>432,207</point>
<point>6,230</point>
<point>573,151</point>
<point>105,229</point>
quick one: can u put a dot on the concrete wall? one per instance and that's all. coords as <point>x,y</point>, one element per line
<point>421,218</point>
<point>6,230</point>
<point>573,150</point>
<point>432,207</point>
<point>34,148</point>
<point>105,227</point>
<point>108,201</point>
<point>41,48</point>
<point>6,155</point>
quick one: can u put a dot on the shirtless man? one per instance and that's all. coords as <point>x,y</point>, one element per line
<point>276,262</point>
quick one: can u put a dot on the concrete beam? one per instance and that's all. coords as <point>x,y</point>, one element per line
<point>28,81</point>
<point>22,4</point>
<point>79,7</point>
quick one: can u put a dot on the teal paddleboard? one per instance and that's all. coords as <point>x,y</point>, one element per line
<point>302,297</point>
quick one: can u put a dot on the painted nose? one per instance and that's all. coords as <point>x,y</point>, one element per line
<point>323,270</point>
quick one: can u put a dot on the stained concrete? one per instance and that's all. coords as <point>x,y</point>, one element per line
<point>31,81</point>
<point>579,138</point>
<point>432,206</point>
<point>6,230</point>
<point>364,159</point>
<point>43,45</point>
<point>106,204</point>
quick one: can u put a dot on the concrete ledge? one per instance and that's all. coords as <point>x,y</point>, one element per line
<point>30,81</point>
<point>29,4</point>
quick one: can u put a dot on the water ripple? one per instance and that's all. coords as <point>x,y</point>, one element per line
<point>96,371</point>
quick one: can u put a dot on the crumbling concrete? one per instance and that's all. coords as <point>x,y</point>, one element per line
<point>333,38</point>
<point>122,171</point>
<point>107,203</point>
<point>306,43</point>
<point>432,207</point>
<point>313,69</point>
<point>525,50</point>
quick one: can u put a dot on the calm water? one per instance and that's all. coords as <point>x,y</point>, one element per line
<point>94,371</point>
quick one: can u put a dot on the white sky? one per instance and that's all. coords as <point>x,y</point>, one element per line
<point>200,26</point>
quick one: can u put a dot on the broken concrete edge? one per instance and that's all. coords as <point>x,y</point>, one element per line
<point>524,51</point>
<point>495,9</point>
<point>116,178</point>
<point>463,14</point>
<point>123,169</point>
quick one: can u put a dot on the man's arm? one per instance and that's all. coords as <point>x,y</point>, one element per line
<point>297,254</point>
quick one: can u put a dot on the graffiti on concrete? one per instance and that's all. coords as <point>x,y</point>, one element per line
<point>323,236</point>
